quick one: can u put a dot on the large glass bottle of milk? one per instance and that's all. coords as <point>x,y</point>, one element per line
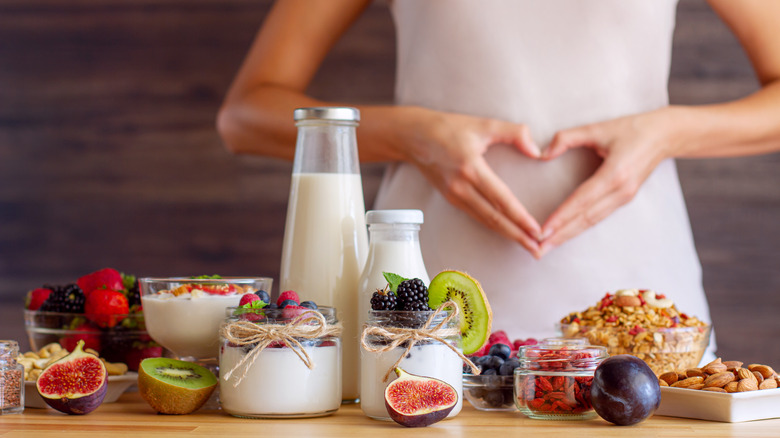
<point>394,247</point>
<point>325,238</point>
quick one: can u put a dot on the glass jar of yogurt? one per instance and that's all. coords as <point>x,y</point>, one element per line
<point>554,378</point>
<point>280,363</point>
<point>429,358</point>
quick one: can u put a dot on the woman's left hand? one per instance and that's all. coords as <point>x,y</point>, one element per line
<point>631,148</point>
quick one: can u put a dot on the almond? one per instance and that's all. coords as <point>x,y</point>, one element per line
<point>669,377</point>
<point>696,386</point>
<point>662,382</point>
<point>719,380</point>
<point>744,373</point>
<point>714,367</point>
<point>688,382</point>
<point>732,365</point>
<point>731,387</point>
<point>765,370</point>
<point>747,385</point>
<point>627,301</point>
<point>759,376</point>
<point>713,389</point>
<point>694,372</point>
<point>768,384</point>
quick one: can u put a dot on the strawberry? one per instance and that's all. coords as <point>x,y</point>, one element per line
<point>106,278</point>
<point>36,297</point>
<point>248,298</point>
<point>140,352</point>
<point>104,307</point>
<point>287,295</point>
<point>499,337</point>
<point>89,333</point>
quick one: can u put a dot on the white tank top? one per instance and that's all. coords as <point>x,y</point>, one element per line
<point>550,64</point>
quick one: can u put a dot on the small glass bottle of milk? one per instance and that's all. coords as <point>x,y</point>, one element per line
<point>325,239</point>
<point>394,247</point>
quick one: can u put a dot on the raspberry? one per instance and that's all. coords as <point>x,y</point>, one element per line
<point>36,298</point>
<point>248,298</point>
<point>412,295</point>
<point>383,299</point>
<point>288,295</point>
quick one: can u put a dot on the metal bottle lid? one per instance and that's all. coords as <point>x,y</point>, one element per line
<point>338,113</point>
<point>394,217</point>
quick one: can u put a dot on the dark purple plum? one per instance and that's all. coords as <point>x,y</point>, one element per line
<point>625,390</point>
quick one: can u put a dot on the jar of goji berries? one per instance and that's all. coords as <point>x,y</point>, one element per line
<point>553,380</point>
<point>11,379</point>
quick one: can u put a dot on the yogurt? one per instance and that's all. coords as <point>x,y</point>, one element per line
<point>279,384</point>
<point>431,360</point>
<point>187,324</point>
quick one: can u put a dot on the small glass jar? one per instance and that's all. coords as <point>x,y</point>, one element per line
<point>11,379</point>
<point>277,383</point>
<point>553,380</point>
<point>429,358</point>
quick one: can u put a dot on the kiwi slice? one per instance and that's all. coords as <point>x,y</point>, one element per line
<point>475,314</point>
<point>173,386</point>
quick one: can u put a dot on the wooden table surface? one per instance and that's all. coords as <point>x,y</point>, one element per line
<point>130,415</point>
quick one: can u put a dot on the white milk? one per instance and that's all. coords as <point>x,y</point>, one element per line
<point>325,248</point>
<point>278,384</point>
<point>186,325</point>
<point>432,360</point>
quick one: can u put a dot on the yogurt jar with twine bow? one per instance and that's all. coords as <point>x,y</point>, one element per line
<point>280,363</point>
<point>425,343</point>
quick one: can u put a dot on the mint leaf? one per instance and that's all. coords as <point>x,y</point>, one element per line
<point>250,307</point>
<point>207,277</point>
<point>393,280</point>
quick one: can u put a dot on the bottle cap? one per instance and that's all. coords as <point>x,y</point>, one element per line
<point>343,113</point>
<point>394,217</point>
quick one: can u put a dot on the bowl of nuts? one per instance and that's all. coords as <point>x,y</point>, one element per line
<point>644,324</point>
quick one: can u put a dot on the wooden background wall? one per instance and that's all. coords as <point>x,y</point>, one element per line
<point>109,156</point>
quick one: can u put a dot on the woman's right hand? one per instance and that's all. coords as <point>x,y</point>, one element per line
<point>449,149</point>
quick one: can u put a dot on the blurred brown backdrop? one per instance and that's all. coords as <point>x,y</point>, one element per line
<point>109,156</point>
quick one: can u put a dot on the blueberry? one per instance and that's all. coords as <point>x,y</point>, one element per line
<point>508,367</point>
<point>501,350</point>
<point>263,295</point>
<point>271,306</point>
<point>489,372</point>
<point>286,303</point>
<point>493,363</point>
<point>494,399</point>
<point>480,361</point>
<point>308,305</point>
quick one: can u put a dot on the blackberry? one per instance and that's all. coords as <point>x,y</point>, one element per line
<point>67,299</point>
<point>383,299</point>
<point>412,295</point>
<point>134,295</point>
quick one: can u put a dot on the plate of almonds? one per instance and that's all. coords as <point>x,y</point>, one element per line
<point>727,391</point>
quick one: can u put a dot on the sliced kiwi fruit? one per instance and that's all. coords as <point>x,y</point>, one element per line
<point>476,317</point>
<point>173,386</point>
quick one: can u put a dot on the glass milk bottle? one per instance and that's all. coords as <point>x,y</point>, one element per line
<point>325,239</point>
<point>394,247</point>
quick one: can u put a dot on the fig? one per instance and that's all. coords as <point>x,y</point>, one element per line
<point>625,390</point>
<point>417,401</point>
<point>75,384</point>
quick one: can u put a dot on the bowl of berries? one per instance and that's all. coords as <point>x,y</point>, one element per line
<point>492,389</point>
<point>102,308</point>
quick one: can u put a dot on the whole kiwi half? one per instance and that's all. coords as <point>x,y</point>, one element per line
<point>173,386</point>
<point>476,317</point>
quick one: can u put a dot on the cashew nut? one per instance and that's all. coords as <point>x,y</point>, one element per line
<point>652,301</point>
<point>627,293</point>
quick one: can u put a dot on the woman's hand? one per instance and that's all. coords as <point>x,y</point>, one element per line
<point>449,150</point>
<point>631,147</point>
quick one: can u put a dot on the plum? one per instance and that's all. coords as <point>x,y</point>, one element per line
<point>625,390</point>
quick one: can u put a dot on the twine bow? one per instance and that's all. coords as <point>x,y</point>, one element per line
<point>308,325</point>
<point>399,335</point>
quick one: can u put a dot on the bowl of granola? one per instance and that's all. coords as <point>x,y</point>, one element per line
<point>644,324</point>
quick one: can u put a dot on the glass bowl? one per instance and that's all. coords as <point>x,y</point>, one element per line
<point>127,341</point>
<point>184,314</point>
<point>490,392</point>
<point>663,349</point>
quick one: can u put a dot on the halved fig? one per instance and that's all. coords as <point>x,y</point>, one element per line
<point>417,401</point>
<point>75,384</point>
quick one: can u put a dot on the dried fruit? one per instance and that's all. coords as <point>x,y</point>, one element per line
<point>417,401</point>
<point>75,384</point>
<point>624,390</point>
<point>765,370</point>
<point>173,386</point>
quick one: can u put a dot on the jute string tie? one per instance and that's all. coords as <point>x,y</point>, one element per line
<point>396,336</point>
<point>308,325</point>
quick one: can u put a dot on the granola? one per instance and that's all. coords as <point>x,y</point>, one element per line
<point>644,324</point>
